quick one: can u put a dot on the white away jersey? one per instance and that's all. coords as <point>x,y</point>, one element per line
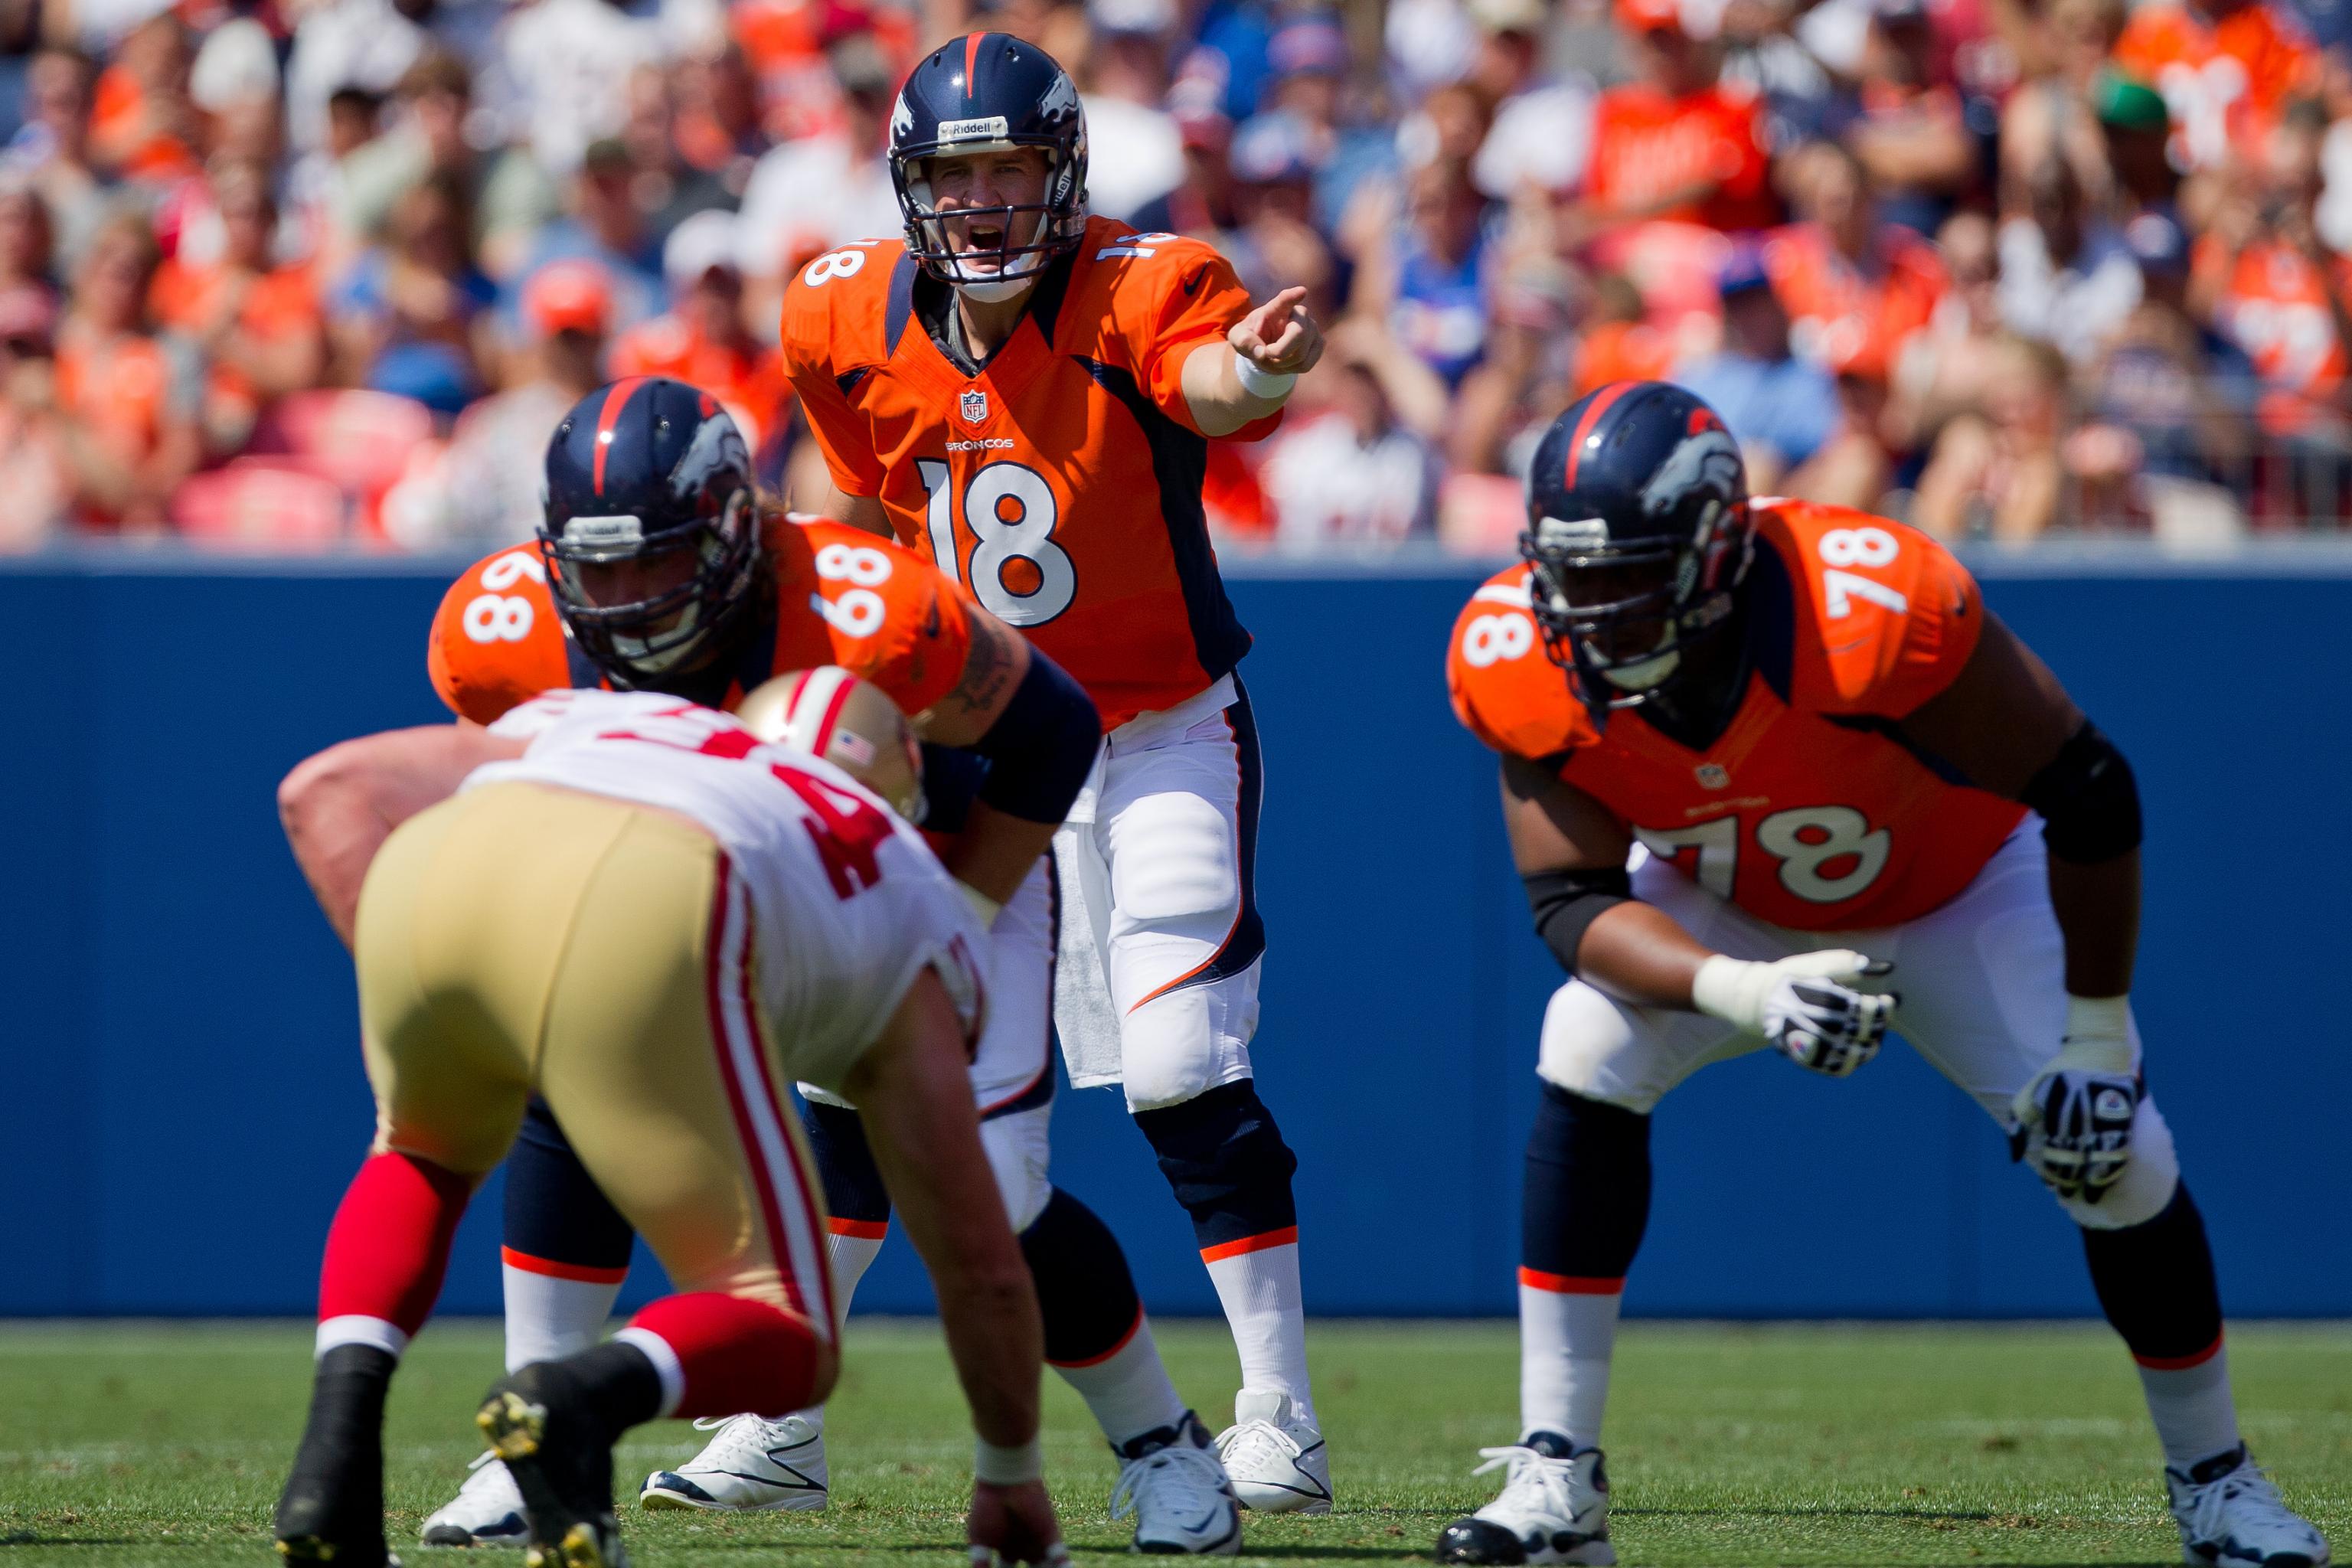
<point>848,903</point>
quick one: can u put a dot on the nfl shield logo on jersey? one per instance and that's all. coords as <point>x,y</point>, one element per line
<point>1713,775</point>
<point>974,405</point>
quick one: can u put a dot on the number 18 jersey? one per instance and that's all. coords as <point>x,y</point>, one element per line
<point>1062,483</point>
<point>1809,811</point>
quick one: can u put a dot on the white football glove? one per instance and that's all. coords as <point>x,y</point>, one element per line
<point>2074,1119</point>
<point>1807,1005</point>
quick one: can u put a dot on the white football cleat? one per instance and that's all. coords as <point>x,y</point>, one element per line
<point>2231,1517</point>
<point>752,1465</point>
<point>1277,1461</point>
<point>1554,1507</point>
<point>487,1510</point>
<point>1172,1482</point>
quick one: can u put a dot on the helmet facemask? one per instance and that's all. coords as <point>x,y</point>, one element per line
<point>1622,617</point>
<point>638,643</point>
<point>1029,235</point>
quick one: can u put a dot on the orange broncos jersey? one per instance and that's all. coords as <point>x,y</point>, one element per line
<point>1842,317</point>
<point>1647,144</point>
<point>843,596</point>
<point>2223,81</point>
<point>1063,483</point>
<point>1806,812</point>
<point>2273,304</point>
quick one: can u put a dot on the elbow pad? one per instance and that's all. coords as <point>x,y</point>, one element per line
<point>1042,747</point>
<point>2088,800</point>
<point>1566,902</point>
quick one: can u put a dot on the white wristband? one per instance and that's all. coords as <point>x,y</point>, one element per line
<point>995,1467</point>
<point>1270,385</point>
<point>1731,989</point>
<point>2098,1033</point>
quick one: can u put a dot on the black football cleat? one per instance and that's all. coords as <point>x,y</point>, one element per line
<point>332,1510</point>
<point>1476,1539</point>
<point>1554,1507</point>
<point>558,1447</point>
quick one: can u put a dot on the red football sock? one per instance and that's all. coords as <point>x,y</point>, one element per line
<point>719,1354</point>
<point>387,1250</point>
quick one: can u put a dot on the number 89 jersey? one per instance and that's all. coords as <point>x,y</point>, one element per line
<point>1062,483</point>
<point>1807,811</point>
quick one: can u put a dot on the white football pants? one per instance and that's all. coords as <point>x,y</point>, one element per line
<point>1013,1071</point>
<point>1984,1001</point>
<point>1161,940</point>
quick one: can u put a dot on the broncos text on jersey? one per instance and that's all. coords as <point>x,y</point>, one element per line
<point>1062,484</point>
<point>843,596</point>
<point>1808,812</point>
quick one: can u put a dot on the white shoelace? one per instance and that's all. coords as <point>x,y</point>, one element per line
<point>742,1437</point>
<point>483,1479</point>
<point>2247,1485</point>
<point>1193,1475</point>
<point>1553,1481</point>
<point>1243,1448</point>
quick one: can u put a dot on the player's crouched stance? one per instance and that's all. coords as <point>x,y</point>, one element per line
<point>629,905</point>
<point>1781,721</point>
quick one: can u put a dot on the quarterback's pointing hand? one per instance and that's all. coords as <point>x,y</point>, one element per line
<point>1280,338</point>
<point>1806,1005</point>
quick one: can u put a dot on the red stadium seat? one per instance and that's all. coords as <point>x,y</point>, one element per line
<point>262,503</point>
<point>361,440</point>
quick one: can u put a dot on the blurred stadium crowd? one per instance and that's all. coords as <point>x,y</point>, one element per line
<point>300,272</point>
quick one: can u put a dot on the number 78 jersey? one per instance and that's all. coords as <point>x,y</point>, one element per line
<point>1062,484</point>
<point>1809,811</point>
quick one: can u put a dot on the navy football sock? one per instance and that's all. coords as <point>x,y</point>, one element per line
<point>2157,1284</point>
<point>1226,1160</point>
<point>1083,1289</point>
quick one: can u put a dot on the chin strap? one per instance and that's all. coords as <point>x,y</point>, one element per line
<point>997,290</point>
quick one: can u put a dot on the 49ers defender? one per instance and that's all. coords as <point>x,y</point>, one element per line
<point>654,571</point>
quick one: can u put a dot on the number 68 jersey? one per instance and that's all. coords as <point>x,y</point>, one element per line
<point>1809,811</point>
<point>842,597</point>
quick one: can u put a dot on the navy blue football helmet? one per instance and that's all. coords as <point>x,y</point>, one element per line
<point>1638,533</point>
<point>649,489</point>
<point>985,92</point>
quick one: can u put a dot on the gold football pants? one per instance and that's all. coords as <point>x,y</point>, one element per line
<point>519,938</point>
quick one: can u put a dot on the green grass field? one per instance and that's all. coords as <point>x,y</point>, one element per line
<point>147,1444</point>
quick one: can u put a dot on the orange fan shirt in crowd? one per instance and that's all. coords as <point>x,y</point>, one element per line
<point>1235,502</point>
<point>119,391</point>
<point>785,41</point>
<point>1842,316</point>
<point>748,383</point>
<point>276,304</point>
<point>1804,813</point>
<point>1647,145</point>
<point>2224,80</point>
<point>1622,351</point>
<point>1062,484</point>
<point>2274,306</point>
<point>118,104</point>
<point>843,596</point>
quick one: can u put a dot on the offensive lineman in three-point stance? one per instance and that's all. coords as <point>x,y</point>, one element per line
<point>1754,753</point>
